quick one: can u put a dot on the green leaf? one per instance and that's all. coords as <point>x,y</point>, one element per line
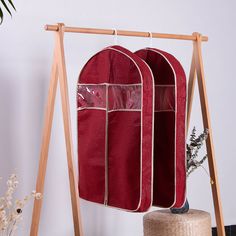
<point>5,5</point>
<point>1,16</point>
<point>10,1</point>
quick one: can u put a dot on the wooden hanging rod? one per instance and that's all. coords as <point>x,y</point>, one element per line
<point>124,33</point>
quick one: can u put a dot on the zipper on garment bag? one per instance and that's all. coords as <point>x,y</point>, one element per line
<point>106,149</point>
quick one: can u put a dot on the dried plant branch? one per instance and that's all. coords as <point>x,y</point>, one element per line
<point>10,210</point>
<point>192,149</point>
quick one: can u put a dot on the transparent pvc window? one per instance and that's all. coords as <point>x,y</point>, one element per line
<point>124,97</point>
<point>164,98</point>
<point>91,96</point>
<point>112,97</point>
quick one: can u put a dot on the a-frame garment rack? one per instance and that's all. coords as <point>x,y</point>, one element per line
<point>58,72</point>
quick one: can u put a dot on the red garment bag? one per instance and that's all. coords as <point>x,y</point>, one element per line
<point>115,103</point>
<point>169,183</point>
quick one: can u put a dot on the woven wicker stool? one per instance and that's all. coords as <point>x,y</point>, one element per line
<point>164,223</point>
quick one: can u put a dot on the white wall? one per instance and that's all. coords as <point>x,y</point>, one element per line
<point>26,54</point>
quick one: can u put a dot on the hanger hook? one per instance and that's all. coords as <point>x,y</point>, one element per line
<point>151,39</point>
<point>115,36</point>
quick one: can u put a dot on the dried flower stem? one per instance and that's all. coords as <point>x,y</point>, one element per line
<point>193,149</point>
<point>11,214</point>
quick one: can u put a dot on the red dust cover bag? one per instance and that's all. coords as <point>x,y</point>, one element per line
<point>115,111</point>
<point>169,181</point>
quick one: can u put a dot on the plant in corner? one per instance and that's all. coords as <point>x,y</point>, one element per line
<point>11,211</point>
<point>6,5</point>
<point>193,162</point>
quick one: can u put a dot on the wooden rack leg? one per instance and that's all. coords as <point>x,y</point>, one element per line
<point>209,141</point>
<point>45,146</point>
<point>58,70</point>
<point>68,134</point>
<point>191,86</point>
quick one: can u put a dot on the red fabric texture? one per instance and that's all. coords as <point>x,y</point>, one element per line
<point>124,164</point>
<point>147,130</point>
<point>116,130</point>
<point>91,154</point>
<point>169,185</point>
<point>127,135</point>
<point>180,130</point>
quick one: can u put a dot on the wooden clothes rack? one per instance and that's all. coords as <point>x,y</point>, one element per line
<point>58,72</point>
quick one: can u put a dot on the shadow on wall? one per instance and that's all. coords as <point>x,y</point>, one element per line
<point>21,101</point>
<point>7,132</point>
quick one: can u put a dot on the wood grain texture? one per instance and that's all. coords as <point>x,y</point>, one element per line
<point>68,134</point>
<point>58,71</point>
<point>191,86</point>
<point>123,33</point>
<point>45,145</point>
<point>209,141</point>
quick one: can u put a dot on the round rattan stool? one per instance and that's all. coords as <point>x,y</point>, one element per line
<point>164,223</point>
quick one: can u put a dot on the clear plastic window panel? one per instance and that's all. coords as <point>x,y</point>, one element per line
<point>164,98</point>
<point>120,97</point>
<point>91,96</point>
<point>123,97</point>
